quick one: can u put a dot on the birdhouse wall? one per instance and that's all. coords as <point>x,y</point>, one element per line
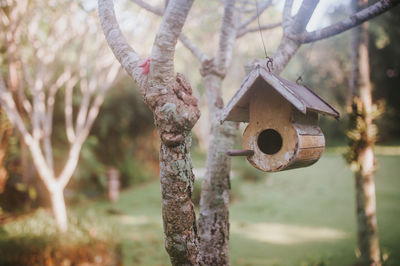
<point>311,139</point>
<point>310,148</point>
<point>269,110</point>
<point>280,136</point>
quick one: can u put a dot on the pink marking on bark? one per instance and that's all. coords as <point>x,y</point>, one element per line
<point>146,66</point>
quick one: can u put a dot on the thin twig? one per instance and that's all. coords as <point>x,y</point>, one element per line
<point>271,26</point>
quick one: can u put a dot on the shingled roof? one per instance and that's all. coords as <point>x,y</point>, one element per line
<point>301,97</point>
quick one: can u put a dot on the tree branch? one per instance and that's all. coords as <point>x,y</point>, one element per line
<point>189,44</point>
<point>86,89</point>
<point>38,106</point>
<point>8,104</point>
<point>155,10</point>
<point>303,15</point>
<point>69,127</point>
<point>193,48</point>
<point>124,53</point>
<point>292,25</point>
<point>110,75</point>
<point>260,10</point>
<point>105,75</point>
<point>48,119</point>
<point>227,37</point>
<point>352,21</point>
<point>62,79</point>
<point>287,10</point>
<point>287,15</point>
<point>162,55</point>
<point>271,26</point>
<point>73,158</point>
<point>83,109</point>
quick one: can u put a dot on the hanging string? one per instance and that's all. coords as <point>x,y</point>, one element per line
<point>269,59</point>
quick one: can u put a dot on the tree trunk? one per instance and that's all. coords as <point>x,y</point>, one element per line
<point>214,202</point>
<point>25,163</point>
<point>181,241</point>
<point>113,184</point>
<point>59,208</point>
<point>362,145</point>
<point>368,242</point>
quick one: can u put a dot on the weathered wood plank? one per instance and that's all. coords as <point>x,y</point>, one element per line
<point>309,141</point>
<point>310,154</point>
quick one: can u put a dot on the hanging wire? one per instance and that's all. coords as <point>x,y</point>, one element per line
<point>259,28</point>
<point>307,57</point>
<point>299,79</point>
<point>270,61</point>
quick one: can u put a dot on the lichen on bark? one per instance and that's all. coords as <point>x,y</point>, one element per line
<point>177,208</point>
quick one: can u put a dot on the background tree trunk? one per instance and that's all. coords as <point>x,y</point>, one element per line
<point>59,208</point>
<point>363,134</point>
<point>214,201</point>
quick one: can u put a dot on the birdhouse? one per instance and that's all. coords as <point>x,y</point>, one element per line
<point>283,130</point>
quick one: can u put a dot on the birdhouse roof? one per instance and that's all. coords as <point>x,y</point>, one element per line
<point>301,97</point>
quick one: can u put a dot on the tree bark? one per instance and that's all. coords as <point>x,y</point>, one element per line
<point>362,148</point>
<point>286,50</point>
<point>175,113</point>
<point>214,201</point>
<point>179,220</point>
<point>58,207</point>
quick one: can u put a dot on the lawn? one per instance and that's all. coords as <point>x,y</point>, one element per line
<point>297,217</point>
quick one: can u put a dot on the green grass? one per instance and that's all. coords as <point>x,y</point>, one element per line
<point>298,217</point>
<point>313,210</point>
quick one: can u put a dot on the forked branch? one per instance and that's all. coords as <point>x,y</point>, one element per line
<point>186,41</point>
<point>124,53</point>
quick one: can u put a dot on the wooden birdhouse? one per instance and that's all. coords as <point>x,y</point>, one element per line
<point>283,130</point>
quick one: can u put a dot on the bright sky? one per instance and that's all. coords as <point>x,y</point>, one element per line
<point>319,18</point>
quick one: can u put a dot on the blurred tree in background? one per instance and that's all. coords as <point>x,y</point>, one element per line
<point>385,72</point>
<point>113,139</point>
<point>123,136</point>
<point>45,52</point>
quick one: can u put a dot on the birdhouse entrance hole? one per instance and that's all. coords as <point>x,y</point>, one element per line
<point>269,141</point>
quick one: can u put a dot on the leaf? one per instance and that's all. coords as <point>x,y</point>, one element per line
<point>32,193</point>
<point>21,187</point>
